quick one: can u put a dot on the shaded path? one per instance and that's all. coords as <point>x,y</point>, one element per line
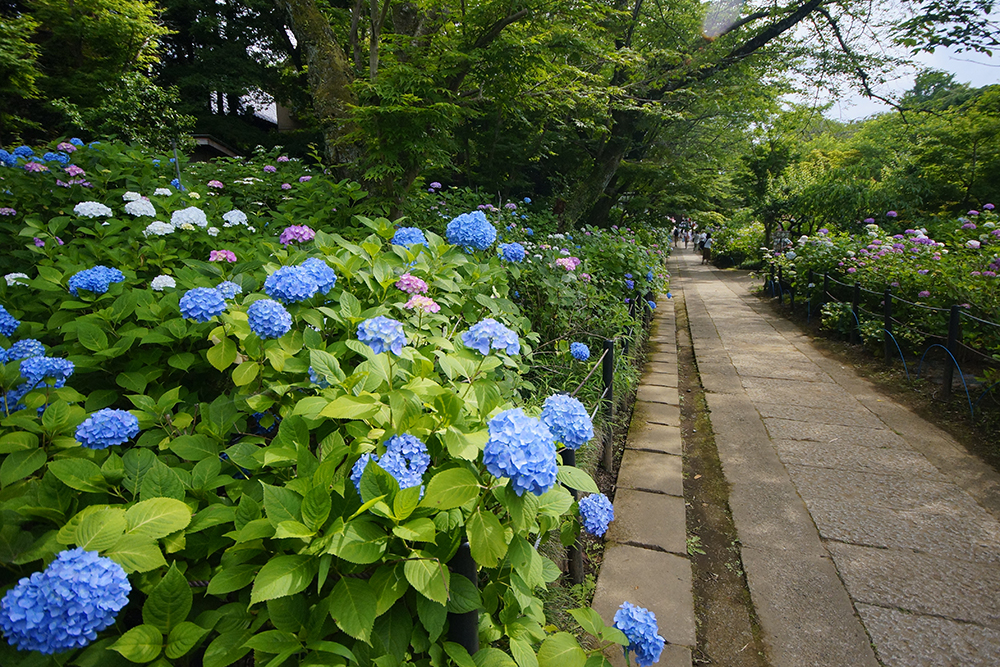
<point>861,524</point>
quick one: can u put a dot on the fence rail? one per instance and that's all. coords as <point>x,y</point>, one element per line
<point>949,340</point>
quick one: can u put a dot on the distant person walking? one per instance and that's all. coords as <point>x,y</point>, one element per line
<point>706,249</point>
<point>677,235</point>
<point>687,238</point>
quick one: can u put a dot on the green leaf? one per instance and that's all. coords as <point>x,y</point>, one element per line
<point>91,336</point>
<point>577,479</point>
<point>365,406</point>
<point>231,579</point>
<point>352,605</point>
<point>418,530</point>
<point>136,553</point>
<point>281,504</point>
<point>350,307</point>
<point>598,660</point>
<point>464,596</point>
<point>523,654</point>
<point>316,507</point>
<point>486,538</point>
<point>17,441</point>
<point>227,648</point>
<point>142,643</point>
<point>405,501</point>
<point>294,529</point>
<point>20,465</point>
<point>389,584</point>
<point>222,354</point>
<point>361,542</point>
<point>459,655</point>
<point>283,575</point>
<point>137,463</point>
<point>274,641</point>
<point>194,447</point>
<point>432,615</point>
<point>182,638</point>
<point>161,481</point>
<point>561,650</point>
<point>555,502</point>
<point>326,365</point>
<point>157,517</point>
<point>450,488</point>
<point>429,577</point>
<point>245,373</point>
<point>133,381</point>
<point>56,417</point>
<point>493,657</point>
<point>101,529</point>
<point>589,620</point>
<point>169,602</point>
<point>80,474</point>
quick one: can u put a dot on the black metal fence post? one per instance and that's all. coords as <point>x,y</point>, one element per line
<point>574,556</point>
<point>855,303</point>
<point>608,402</point>
<point>954,334</point>
<point>464,628</point>
<point>887,324</point>
<point>780,291</point>
<point>826,285</point>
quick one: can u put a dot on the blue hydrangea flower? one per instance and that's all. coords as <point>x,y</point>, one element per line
<point>66,605</point>
<point>3,356</point>
<point>651,304</point>
<point>405,458</point>
<point>202,304</point>
<point>522,449</point>
<point>489,333</point>
<point>96,279</point>
<point>568,420</point>
<point>76,141</point>
<point>23,151</point>
<point>528,230</point>
<point>177,184</point>
<point>107,427</point>
<point>60,157</point>
<point>8,325</point>
<point>596,512</point>
<point>579,351</point>
<point>471,230</point>
<point>318,380</point>
<point>381,334</point>
<point>291,284</point>
<point>669,295</point>
<point>630,284</point>
<point>639,626</point>
<point>24,349</point>
<point>527,200</point>
<point>11,400</point>
<point>628,275</point>
<point>36,369</point>
<point>649,276</point>
<point>409,236</point>
<point>512,252</point>
<point>228,289</point>
<point>269,319</point>
<point>321,272</point>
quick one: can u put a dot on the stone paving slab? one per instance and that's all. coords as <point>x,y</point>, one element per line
<point>818,625</point>
<point>657,413</point>
<point>654,437</point>
<point>650,520</point>
<point>857,416</point>
<point>857,459</point>
<point>921,583</point>
<point>888,491</point>
<point>651,471</point>
<point>661,367</point>
<point>909,640</point>
<point>659,379</point>
<point>969,538</point>
<point>655,394</point>
<point>787,429</point>
<point>658,581</point>
<point>664,357</point>
<point>799,393</point>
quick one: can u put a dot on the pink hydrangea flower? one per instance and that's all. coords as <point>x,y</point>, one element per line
<point>7,211</point>
<point>420,302</point>
<point>585,277</point>
<point>286,186</point>
<point>973,212</point>
<point>891,214</point>
<point>74,170</point>
<point>305,179</point>
<point>66,146</point>
<point>270,169</point>
<point>411,284</point>
<point>282,158</point>
<point>35,166</point>
<point>297,233</point>
<point>924,294</point>
<point>222,256</point>
<point>215,184</point>
<point>568,263</point>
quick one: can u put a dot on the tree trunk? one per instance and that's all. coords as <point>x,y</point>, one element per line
<point>605,166</point>
<point>329,75</point>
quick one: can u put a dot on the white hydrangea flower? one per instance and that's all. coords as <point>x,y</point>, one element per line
<point>16,278</point>
<point>187,227</point>
<point>251,229</point>
<point>234,217</point>
<point>213,231</point>
<point>158,228</point>
<point>162,192</point>
<point>162,282</point>
<point>131,196</point>
<point>92,209</point>
<point>139,208</point>
<point>191,215</point>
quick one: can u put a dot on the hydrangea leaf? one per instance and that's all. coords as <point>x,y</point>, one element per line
<point>450,488</point>
<point>231,579</point>
<point>19,465</point>
<point>523,654</point>
<point>459,655</point>
<point>183,638</point>
<point>222,354</point>
<point>429,577</point>
<point>142,643</point>
<point>79,474</point>
<point>227,648</point>
<point>577,479</point>
<point>589,620</point>
<point>464,596</point>
<point>169,603</point>
<point>561,650</point>
<point>352,605</point>
<point>101,530</point>
<point>352,407</point>
<point>486,538</point>
<point>493,657</point>
<point>361,542</point>
<point>136,553</point>
<point>283,575</point>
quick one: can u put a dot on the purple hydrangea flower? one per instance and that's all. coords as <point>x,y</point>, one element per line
<point>297,233</point>
<point>411,284</point>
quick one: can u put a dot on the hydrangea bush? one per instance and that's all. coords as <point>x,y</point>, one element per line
<point>201,425</point>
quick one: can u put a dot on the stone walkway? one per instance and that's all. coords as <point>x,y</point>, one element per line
<point>645,561</point>
<point>868,535</point>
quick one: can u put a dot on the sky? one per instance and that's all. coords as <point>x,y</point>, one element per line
<point>973,68</point>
